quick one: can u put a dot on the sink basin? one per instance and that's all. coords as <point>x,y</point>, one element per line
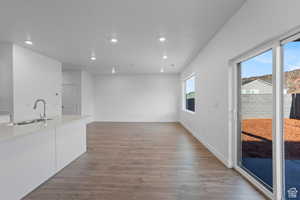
<point>25,122</point>
<point>30,122</point>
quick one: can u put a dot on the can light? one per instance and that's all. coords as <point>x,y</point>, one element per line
<point>162,39</point>
<point>29,42</point>
<point>114,40</point>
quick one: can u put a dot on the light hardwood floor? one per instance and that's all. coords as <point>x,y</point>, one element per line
<point>145,161</point>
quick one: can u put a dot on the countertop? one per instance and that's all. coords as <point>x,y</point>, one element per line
<point>12,132</point>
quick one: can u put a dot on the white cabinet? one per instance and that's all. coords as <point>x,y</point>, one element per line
<point>25,163</point>
<point>29,160</point>
<point>70,142</point>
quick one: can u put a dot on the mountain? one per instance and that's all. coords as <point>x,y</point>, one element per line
<point>291,80</point>
<point>267,78</point>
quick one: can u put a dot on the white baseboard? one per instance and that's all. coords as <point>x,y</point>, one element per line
<point>216,153</point>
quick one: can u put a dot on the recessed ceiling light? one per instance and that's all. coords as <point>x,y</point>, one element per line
<point>165,57</point>
<point>114,40</point>
<point>162,70</point>
<point>113,70</point>
<point>29,42</point>
<point>93,58</point>
<point>162,39</point>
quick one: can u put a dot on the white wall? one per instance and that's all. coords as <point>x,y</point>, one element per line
<point>137,98</point>
<point>5,78</point>
<point>256,22</point>
<point>35,76</point>
<point>87,94</point>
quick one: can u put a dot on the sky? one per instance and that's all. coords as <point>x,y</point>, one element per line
<point>190,85</point>
<point>262,64</point>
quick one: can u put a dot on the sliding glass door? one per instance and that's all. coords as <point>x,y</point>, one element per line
<point>291,114</point>
<point>268,112</point>
<point>255,114</point>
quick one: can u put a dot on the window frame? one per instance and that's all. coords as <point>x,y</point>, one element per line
<point>192,75</point>
<point>237,137</point>
<point>234,121</point>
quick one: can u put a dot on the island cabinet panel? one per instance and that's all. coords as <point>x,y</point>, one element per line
<point>25,163</point>
<point>70,142</point>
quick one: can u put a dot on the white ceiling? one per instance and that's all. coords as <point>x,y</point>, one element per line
<point>70,30</point>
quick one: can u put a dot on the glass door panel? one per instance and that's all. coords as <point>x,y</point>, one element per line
<point>256,112</point>
<point>291,114</point>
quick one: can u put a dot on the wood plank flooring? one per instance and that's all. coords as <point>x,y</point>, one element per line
<point>144,161</point>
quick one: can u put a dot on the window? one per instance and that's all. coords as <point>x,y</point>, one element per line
<point>256,112</point>
<point>291,118</point>
<point>189,94</point>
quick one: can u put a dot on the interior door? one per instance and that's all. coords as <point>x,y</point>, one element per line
<point>71,99</point>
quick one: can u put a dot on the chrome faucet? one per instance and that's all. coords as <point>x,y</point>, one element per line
<point>43,116</point>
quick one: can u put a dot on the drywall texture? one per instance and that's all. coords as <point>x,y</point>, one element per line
<point>137,98</point>
<point>35,77</point>
<point>256,22</point>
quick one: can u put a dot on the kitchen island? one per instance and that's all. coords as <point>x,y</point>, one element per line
<point>31,154</point>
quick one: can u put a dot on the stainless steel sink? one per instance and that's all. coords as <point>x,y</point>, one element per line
<point>29,122</point>
<point>42,119</point>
